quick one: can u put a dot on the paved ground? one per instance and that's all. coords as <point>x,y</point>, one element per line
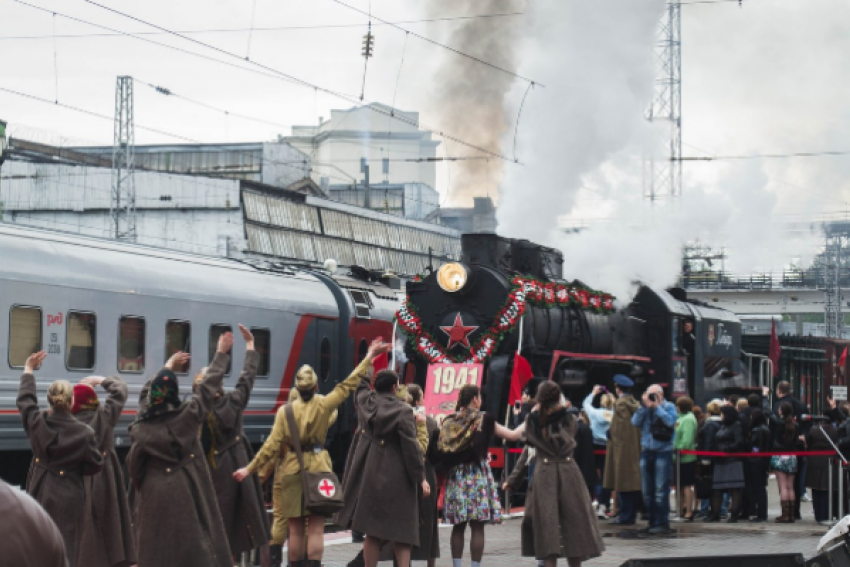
<point>688,540</point>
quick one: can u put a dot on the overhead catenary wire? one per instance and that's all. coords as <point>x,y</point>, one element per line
<point>434,42</point>
<point>256,29</point>
<point>825,153</point>
<point>519,115</point>
<point>267,71</point>
<point>251,30</point>
<point>55,60</point>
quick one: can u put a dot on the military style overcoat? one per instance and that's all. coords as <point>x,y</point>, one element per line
<point>178,523</point>
<point>622,461</point>
<point>111,516</point>
<point>64,452</point>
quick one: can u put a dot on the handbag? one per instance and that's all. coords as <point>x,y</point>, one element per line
<point>322,491</point>
<point>661,431</point>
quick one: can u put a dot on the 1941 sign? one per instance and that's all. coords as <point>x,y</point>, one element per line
<point>444,382</point>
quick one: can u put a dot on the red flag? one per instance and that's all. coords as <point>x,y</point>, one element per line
<point>519,378</point>
<point>842,362</point>
<point>381,361</point>
<point>775,349</point>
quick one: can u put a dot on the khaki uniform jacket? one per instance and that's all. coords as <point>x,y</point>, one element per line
<point>178,523</point>
<point>109,495</point>
<point>313,419</point>
<point>64,452</point>
<point>622,462</point>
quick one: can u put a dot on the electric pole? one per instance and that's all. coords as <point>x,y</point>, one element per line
<point>123,203</point>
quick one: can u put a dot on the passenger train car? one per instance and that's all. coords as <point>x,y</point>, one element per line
<point>106,308</point>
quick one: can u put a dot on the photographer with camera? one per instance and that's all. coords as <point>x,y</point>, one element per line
<point>657,420</point>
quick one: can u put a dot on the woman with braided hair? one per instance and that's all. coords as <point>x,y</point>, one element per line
<point>65,452</point>
<point>471,494</point>
<point>559,519</point>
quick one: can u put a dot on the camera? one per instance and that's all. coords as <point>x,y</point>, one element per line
<point>518,404</point>
<point>652,398</point>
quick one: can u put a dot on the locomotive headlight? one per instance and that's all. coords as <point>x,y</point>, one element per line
<point>452,276</point>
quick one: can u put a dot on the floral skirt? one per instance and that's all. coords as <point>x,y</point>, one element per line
<point>472,495</point>
<point>786,464</point>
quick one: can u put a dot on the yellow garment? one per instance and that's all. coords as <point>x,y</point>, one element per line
<point>314,420</point>
<point>422,437</point>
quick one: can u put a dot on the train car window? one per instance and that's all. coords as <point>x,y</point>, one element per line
<point>362,350</point>
<point>262,344</point>
<point>215,332</point>
<point>131,344</point>
<point>24,334</point>
<point>80,340</point>
<point>362,303</point>
<point>178,338</point>
<point>325,359</point>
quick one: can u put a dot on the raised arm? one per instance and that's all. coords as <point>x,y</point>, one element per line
<point>519,473</point>
<point>503,432</point>
<point>27,400</point>
<point>344,389</point>
<point>668,414</point>
<point>242,393</point>
<point>204,397</point>
<point>116,391</point>
<point>270,451</point>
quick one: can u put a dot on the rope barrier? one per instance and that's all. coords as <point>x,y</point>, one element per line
<point>517,451</point>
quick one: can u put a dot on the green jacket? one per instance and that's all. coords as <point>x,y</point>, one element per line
<point>686,436</point>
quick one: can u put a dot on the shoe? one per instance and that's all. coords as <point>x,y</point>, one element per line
<point>787,511</point>
<point>358,560</point>
<point>724,516</point>
<point>758,520</point>
<point>733,519</point>
<point>805,498</point>
<point>824,523</point>
<point>660,530</point>
<point>688,518</point>
<point>276,555</point>
<point>645,530</point>
<point>357,537</point>
<point>619,522</point>
<point>711,519</point>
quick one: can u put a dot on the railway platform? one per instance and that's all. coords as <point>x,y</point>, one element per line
<point>691,539</point>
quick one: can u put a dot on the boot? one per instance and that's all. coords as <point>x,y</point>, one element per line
<point>794,511</point>
<point>785,518</point>
<point>358,560</point>
<point>276,554</point>
<point>312,563</point>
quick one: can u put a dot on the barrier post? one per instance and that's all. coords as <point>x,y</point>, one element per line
<point>841,489</point>
<point>679,483</point>
<point>831,463</point>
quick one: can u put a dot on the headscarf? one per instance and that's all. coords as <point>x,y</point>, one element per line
<point>458,429</point>
<point>85,399</point>
<point>164,394</point>
<point>730,415</point>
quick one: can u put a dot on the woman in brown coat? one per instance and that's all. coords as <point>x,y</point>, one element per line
<point>388,466</point>
<point>108,489</point>
<point>64,453</point>
<point>177,519</point>
<point>227,450</point>
<point>559,521</point>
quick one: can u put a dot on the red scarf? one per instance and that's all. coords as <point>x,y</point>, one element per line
<point>85,398</point>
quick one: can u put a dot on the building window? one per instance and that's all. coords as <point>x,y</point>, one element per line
<point>131,344</point>
<point>325,359</point>
<point>178,338</point>
<point>215,332</point>
<point>80,340</point>
<point>24,334</point>
<point>263,344</point>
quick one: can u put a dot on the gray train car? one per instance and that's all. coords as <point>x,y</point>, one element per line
<point>101,307</point>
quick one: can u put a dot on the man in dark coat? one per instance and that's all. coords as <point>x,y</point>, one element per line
<point>178,523</point>
<point>30,538</point>
<point>381,497</point>
<point>622,460</point>
<point>109,494</point>
<point>64,453</point>
<point>227,450</point>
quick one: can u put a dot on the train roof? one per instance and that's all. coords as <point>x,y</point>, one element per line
<point>687,308</point>
<point>56,258</point>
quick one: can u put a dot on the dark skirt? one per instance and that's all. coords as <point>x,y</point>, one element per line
<point>687,474</point>
<point>728,475</point>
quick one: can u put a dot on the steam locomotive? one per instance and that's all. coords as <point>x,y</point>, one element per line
<point>661,337</point>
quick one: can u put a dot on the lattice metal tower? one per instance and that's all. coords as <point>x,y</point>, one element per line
<point>663,175</point>
<point>123,203</point>
<point>832,285</point>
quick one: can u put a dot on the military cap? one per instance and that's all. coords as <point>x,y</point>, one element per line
<point>623,381</point>
<point>305,379</point>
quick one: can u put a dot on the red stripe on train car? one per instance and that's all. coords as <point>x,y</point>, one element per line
<point>294,354</point>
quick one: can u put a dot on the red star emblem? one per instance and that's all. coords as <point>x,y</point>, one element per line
<point>458,333</point>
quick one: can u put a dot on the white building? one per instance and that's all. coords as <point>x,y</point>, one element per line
<point>397,151</point>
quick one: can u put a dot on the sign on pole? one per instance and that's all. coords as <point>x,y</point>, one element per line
<point>839,393</point>
<point>444,382</point>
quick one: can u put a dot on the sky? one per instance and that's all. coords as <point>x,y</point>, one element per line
<point>768,77</point>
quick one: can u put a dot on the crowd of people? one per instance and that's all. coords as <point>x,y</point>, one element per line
<point>194,496</point>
